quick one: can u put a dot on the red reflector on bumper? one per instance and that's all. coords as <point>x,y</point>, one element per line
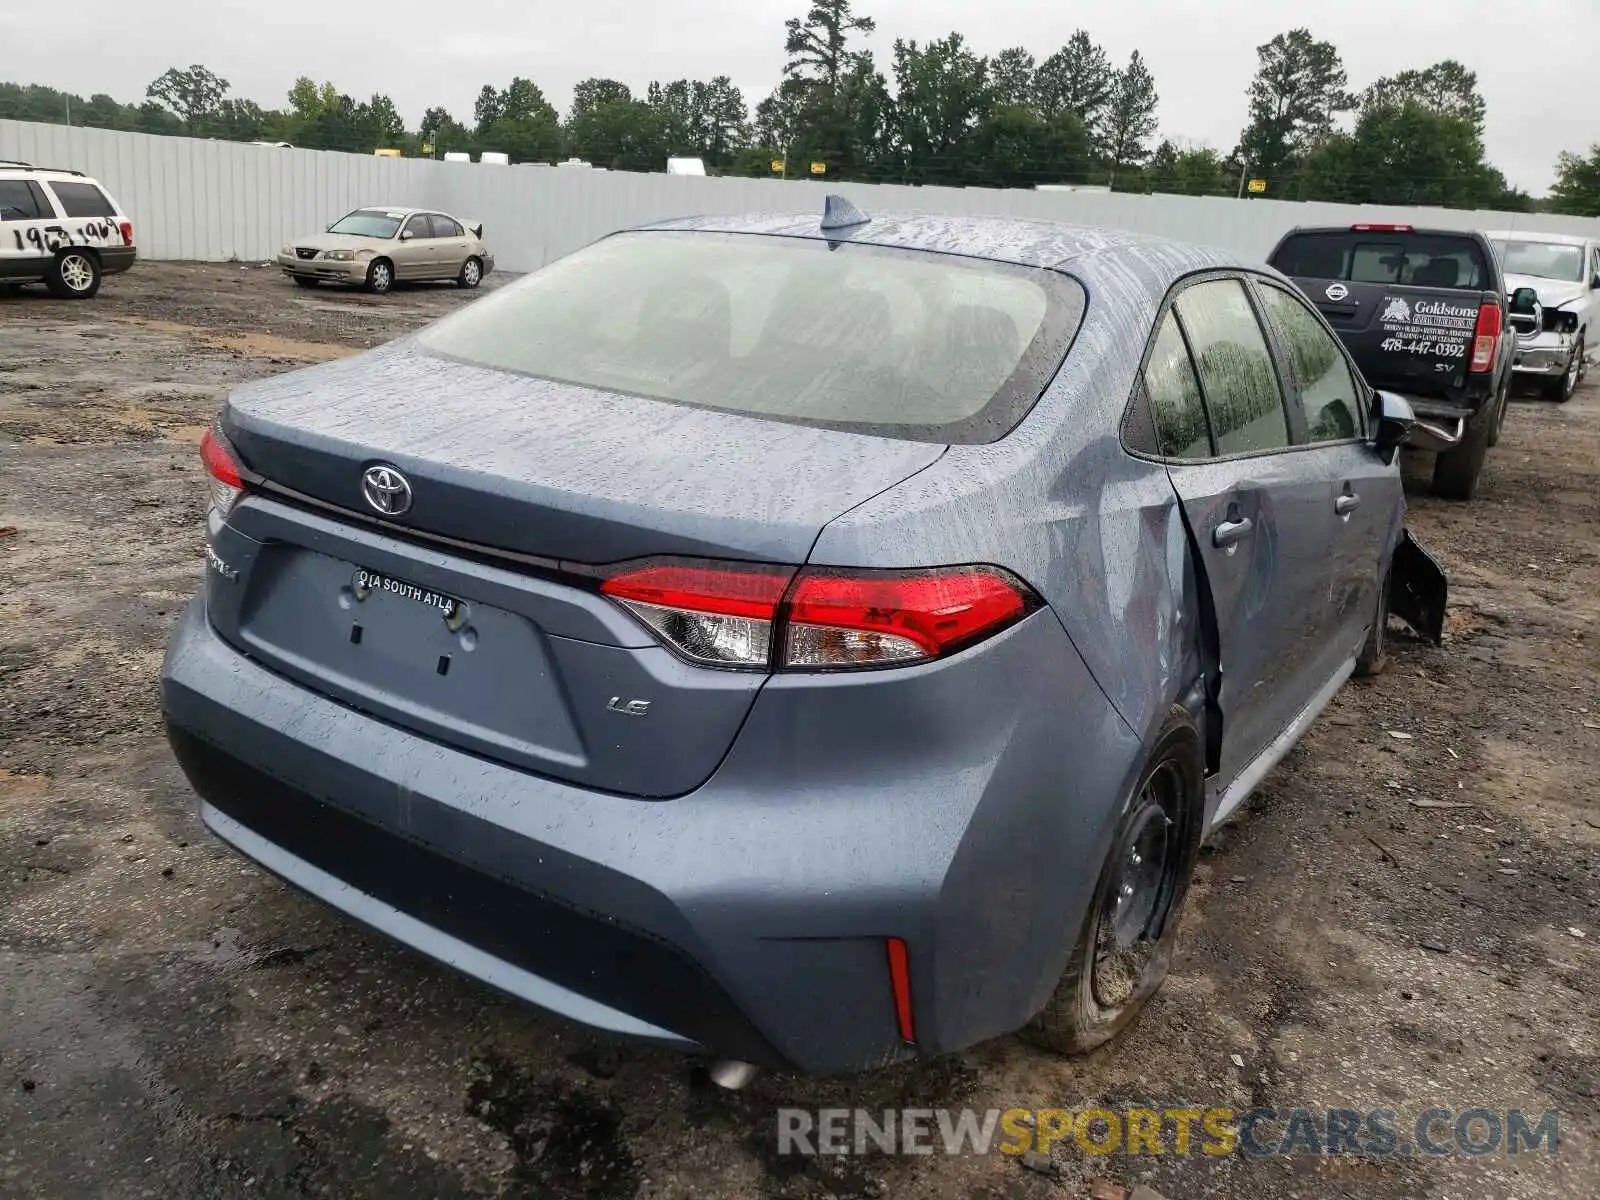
<point>900,982</point>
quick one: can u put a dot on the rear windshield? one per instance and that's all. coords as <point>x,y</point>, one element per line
<point>1542,260</point>
<point>926,347</point>
<point>368,222</point>
<point>1399,259</point>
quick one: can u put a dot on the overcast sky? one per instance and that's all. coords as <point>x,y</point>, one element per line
<point>1538,61</point>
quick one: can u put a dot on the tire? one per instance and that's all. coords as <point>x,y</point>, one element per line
<point>1104,988</point>
<point>1561,390</point>
<point>1456,472</point>
<point>380,276</point>
<point>304,281</point>
<point>471,274</point>
<point>1374,656</point>
<point>74,275</point>
<point>1497,426</point>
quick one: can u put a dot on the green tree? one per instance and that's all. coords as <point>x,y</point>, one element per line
<point>1299,88</point>
<point>818,45</point>
<point>1011,78</point>
<point>379,122</point>
<point>1407,153</point>
<point>622,134</point>
<point>195,95</point>
<point>941,95</point>
<point>1446,88</point>
<point>519,122</point>
<point>1577,187</point>
<point>1190,172</point>
<point>1013,146</point>
<point>1130,120</point>
<point>1077,79</point>
<point>591,93</point>
<point>442,131</point>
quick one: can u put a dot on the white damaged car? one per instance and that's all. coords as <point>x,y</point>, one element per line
<point>1559,337</point>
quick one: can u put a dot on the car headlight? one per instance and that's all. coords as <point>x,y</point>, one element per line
<point>338,255</point>
<point>286,249</point>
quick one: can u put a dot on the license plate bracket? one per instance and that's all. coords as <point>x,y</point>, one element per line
<point>367,583</point>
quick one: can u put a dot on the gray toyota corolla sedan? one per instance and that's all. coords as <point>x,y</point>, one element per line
<point>815,643</point>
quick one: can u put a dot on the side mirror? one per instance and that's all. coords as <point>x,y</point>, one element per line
<point>1524,302</point>
<point>405,235</point>
<point>1394,421</point>
<point>1596,284</point>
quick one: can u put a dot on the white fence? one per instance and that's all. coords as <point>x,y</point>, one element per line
<point>209,200</point>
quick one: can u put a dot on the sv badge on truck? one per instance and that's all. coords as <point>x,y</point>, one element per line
<point>629,708</point>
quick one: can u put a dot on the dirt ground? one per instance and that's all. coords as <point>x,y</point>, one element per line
<point>1396,922</point>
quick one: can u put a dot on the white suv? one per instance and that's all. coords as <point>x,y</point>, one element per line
<point>60,227</point>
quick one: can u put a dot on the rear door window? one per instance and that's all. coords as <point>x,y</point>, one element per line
<point>82,199</point>
<point>1173,389</point>
<point>1396,259</point>
<point>1329,392</point>
<point>1243,396</point>
<point>22,201</point>
<point>444,227</point>
<point>900,343</point>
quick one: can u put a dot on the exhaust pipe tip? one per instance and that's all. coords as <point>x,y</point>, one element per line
<point>732,1075</point>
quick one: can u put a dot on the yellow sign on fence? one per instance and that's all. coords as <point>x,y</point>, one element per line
<point>1258,187</point>
<point>819,168</point>
<point>777,166</point>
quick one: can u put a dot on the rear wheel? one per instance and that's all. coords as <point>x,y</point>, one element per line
<point>471,274</point>
<point>1456,472</point>
<point>380,276</point>
<point>1126,943</point>
<point>74,275</point>
<point>1560,390</point>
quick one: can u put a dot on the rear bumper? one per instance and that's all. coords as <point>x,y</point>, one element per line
<point>116,259</point>
<point>957,806</point>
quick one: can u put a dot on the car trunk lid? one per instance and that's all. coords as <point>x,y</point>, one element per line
<point>528,665</point>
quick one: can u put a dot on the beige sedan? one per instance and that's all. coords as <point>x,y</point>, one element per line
<point>374,248</point>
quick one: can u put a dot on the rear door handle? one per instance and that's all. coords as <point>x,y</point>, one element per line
<point>1231,532</point>
<point>1347,504</point>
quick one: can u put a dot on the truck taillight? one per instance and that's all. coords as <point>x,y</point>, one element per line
<point>126,229</point>
<point>1486,338</point>
<point>222,468</point>
<point>1370,228</point>
<point>819,619</point>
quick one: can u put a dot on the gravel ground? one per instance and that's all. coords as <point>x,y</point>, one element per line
<point>1395,923</point>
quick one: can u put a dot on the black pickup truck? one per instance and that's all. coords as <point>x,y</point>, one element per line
<point>1424,314</point>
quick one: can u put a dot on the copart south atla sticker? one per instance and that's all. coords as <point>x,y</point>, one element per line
<point>1436,327</point>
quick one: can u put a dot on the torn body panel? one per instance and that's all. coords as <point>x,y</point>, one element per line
<point>1419,589</point>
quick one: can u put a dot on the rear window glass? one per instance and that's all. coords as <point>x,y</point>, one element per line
<point>1398,259</point>
<point>82,199</point>
<point>926,347</point>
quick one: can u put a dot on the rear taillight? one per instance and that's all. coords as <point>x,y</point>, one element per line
<point>1369,228</point>
<point>126,229</point>
<point>761,618</point>
<point>1486,338</point>
<point>227,484</point>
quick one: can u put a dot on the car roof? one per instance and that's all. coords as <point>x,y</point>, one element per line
<point>1081,250</point>
<point>61,174</point>
<point>1535,235</point>
<point>1380,227</point>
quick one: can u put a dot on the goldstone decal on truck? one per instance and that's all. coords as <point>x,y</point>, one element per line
<point>1435,327</point>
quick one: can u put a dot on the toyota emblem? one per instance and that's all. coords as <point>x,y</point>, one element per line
<point>386,490</point>
<point>1337,292</point>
